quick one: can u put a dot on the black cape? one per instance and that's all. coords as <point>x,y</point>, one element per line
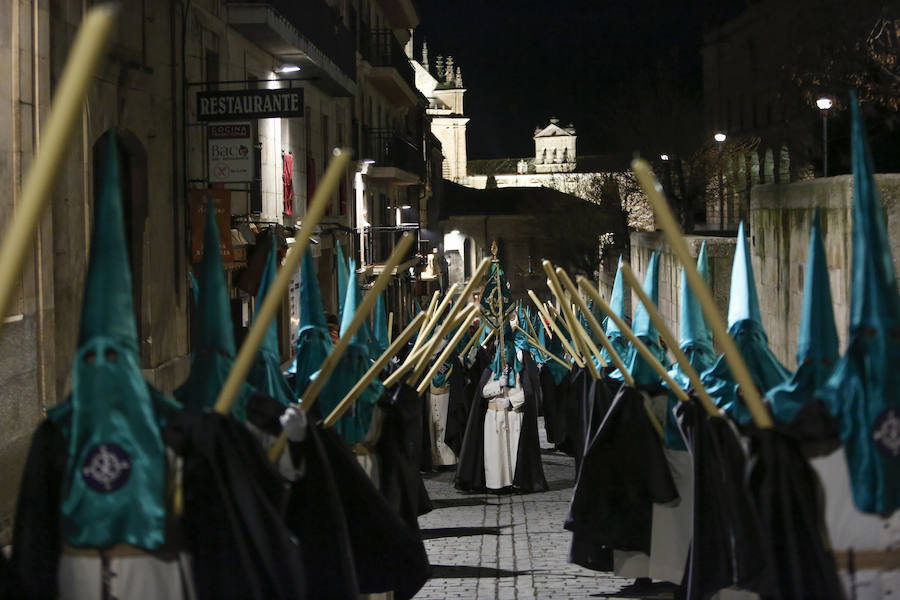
<point>624,471</point>
<point>457,407</point>
<point>388,554</point>
<point>232,521</point>
<point>529,475</point>
<point>726,545</point>
<point>788,499</point>
<point>398,450</point>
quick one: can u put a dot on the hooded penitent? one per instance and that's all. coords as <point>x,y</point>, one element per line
<point>115,485</point>
<point>862,391</point>
<point>354,425</point>
<point>313,339</point>
<point>265,374</point>
<point>644,329</point>
<point>617,304</point>
<point>745,326</point>
<point>379,341</point>
<point>342,276</point>
<point>817,344</point>
<point>214,347</point>
<point>695,340</point>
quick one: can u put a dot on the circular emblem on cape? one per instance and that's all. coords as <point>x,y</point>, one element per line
<point>106,468</point>
<point>886,433</point>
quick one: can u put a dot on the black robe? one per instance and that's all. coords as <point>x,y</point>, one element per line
<point>387,553</point>
<point>398,450</point>
<point>529,475</point>
<point>457,407</point>
<point>788,499</point>
<point>726,545</point>
<point>232,521</point>
<point>624,471</point>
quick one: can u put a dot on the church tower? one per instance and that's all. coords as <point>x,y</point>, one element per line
<point>554,148</point>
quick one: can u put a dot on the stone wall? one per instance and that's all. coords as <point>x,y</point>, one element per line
<point>719,250</point>
<point>780,218</point>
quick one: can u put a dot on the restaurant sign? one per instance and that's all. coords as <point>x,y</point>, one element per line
<point>249,104</point>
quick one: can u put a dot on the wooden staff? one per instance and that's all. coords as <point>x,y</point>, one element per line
<point>474,339</point>
<point>84,58</point>
<point>590,348</point>
<point>666,221</point>
<point>373,372</point>
<point>654,363</point>
<point>331,361</point>
<point>552,323</point>
<point>578,334</point>
<point>474,281</point>
<point>534,334</point>
<point>391,325</point>
<point>488,337</point>
<point>429,312</point>
<point>670,341</point>
<point>595,326</point>
<point>448,350</point>
<point>271,304</point>
<point>540,347</point>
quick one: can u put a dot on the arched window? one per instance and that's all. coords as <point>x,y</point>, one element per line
<point>133,180</point>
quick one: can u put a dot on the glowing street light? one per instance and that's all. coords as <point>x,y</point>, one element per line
<point>720,137</point>
<point>664,157</point>
<point>824,103</point>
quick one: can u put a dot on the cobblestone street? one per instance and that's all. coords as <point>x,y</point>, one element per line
<point>487,546</point>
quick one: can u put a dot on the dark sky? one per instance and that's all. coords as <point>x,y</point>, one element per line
<point>525,61</point>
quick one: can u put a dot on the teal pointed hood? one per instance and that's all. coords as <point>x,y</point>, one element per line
<point>496,302</point>
<point>644,329</point>
<point>354,424</point>
<point>213,350</point>
<point>342,276</point>
<point>114,487</point>
<point>695,340</point>
<point>313,339</point>
<point>862,391</point>
<point>380,341</point>
<point>617,304</point>
<point>817,345</point>
<point>746,328</point>
<point>265,374</point>
<point>743,302</point>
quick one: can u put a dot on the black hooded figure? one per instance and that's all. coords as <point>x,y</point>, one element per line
<point>523,461</point>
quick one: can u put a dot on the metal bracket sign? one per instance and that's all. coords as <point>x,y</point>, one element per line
<point>249,104</point>
<point>229,152</point>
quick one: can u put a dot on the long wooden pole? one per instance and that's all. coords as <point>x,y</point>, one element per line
<point>448,323</point>
<point>552,323</point>
<point>448,350</point>
<point>429,313</point>
<point>391,325</point>
<point>474,339</point>
<point>588,349</point>
<point>84,58</point>
<point>670,341</point>
<point>373,372</point>
<point>638,345</point>
<point>311,394</point>
<point>595,326</point>
<point>271,304</point>
<point>576,332</point>
<point>540,347</point>
<point>666,221</point>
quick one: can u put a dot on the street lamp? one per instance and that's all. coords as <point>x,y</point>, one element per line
<point>824,104</point>
<point>664,157</point>
<point>720,138</point>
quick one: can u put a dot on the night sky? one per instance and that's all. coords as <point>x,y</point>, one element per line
<point>525,61</point>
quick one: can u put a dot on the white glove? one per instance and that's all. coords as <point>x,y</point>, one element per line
<point>293,423</point>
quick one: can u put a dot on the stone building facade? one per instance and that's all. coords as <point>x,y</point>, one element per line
<point>358,90</point>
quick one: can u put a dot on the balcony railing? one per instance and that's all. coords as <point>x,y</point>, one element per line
<point>385,51</point>
<point>380,242</point>
<point>321,25</point>
<point>388,149</point>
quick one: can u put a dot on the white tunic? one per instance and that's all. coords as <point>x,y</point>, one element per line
<point>502,427</point>
<point>672,529</point>
<point>138,577</point>
<point>848,528</point>
<point>439,401</point>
